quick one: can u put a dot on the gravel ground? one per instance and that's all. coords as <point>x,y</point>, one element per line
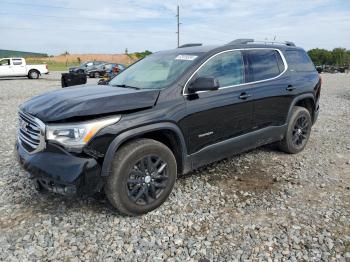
<point>263,205</point>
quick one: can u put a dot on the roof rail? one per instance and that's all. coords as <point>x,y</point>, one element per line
<point>189,45</point>
<point>247,41</point>
<point>288,43</point>
<point>241,41</point>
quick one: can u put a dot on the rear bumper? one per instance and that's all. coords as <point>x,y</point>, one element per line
<point>61,172</point>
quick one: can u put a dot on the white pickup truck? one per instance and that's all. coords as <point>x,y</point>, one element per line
<point>16,66</point>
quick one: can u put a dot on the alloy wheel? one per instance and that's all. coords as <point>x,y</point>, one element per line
<point>300,131</point>
<point>147,180</point>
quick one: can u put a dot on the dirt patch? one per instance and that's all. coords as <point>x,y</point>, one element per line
<point>6,222</point>
<point>253,179</point>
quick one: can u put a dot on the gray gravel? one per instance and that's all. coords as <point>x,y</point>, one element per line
<point>259,206</point>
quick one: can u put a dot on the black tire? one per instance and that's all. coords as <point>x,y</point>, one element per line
<point>135,187</point>
<point>97,75</point>
<point>33,74</point>
<point>298,131</point>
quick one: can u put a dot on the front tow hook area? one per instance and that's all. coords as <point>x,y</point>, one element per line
<point>67,190</point>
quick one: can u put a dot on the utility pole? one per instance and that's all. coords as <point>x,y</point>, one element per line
<point>178,26</point>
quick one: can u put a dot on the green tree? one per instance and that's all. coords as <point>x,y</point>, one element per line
<point>340,56</point>
<point>321,56</point>
<point>140,55</point>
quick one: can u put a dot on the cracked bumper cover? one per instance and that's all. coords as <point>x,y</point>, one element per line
<point>61,172</point>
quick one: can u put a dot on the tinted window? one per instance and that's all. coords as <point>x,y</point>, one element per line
<point>17,61</point>
<point>298,60</point>
<point>264,64</point>
<point>280,63</point>
<point>87,64</point>
<point>227,68</point>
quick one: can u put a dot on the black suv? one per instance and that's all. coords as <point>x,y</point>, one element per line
<point>165,115</point>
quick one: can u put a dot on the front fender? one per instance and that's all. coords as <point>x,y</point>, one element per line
<point>127,135</point>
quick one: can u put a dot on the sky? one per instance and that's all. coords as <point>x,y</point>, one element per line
<point>111,26</point>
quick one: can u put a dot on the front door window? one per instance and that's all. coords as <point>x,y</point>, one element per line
<point>227,68</point>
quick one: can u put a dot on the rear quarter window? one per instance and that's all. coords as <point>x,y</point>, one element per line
<point>299,61</point>
<point>17,61</point>
<point>264,64</point>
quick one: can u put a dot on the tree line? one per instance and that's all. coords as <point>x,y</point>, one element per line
<point>336,57</point>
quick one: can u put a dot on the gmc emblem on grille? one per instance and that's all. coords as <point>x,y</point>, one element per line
<point>23,125</point>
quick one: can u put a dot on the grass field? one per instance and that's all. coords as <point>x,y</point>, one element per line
<point>53,65</point>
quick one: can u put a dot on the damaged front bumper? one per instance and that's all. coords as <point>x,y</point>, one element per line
<point>61,172</point>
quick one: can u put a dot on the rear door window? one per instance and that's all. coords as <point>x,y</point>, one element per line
<point>264,64</point>
<point>299,61</point>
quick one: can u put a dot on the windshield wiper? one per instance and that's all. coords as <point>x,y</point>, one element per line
<point>127,86</point>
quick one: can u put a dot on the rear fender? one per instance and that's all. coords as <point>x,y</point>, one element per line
<point>296,100</point>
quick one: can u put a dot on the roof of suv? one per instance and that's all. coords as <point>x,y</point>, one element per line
<point>197,48</point>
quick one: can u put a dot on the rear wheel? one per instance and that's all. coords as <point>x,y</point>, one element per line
<point>97,75</point>
<point>144,174</point>
<point>298,131</point>
<point>33,74</point>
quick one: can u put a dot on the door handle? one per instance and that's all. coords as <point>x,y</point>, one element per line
<point>290,88</point>
<point>244,96</point>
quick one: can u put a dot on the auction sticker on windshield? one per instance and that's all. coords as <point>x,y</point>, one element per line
<point>186,57</point>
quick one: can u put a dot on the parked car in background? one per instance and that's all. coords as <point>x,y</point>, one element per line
<point>105,69</point>
<point>17,66</point>
<point>332,69</point>
<point>319,69</point>
<point>85,67</point>
<point>111,73</point>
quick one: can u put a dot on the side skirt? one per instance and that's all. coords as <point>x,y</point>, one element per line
<point>237,145</point>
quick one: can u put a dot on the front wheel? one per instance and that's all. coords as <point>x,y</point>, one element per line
<point>298,131</point>
<point>144,174</point>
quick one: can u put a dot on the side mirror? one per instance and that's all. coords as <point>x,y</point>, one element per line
<point>204,84</point>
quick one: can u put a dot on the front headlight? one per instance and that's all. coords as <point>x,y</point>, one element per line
<point>76,135</point>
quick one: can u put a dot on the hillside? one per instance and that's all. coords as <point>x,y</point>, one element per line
<point>11,53</point>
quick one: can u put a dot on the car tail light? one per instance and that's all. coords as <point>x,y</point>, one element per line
<point>47,67</point>
<point>318,87</point>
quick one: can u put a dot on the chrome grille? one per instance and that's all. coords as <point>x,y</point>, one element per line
<point>31,133</point>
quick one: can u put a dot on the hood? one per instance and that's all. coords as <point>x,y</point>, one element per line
<point>88,100</point>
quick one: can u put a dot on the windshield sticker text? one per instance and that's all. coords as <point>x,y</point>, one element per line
<point>186,57</point>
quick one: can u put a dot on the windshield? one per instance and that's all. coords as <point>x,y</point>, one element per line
<point>108,66</point>
<point>86,64</point>
<point>155,71</point>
